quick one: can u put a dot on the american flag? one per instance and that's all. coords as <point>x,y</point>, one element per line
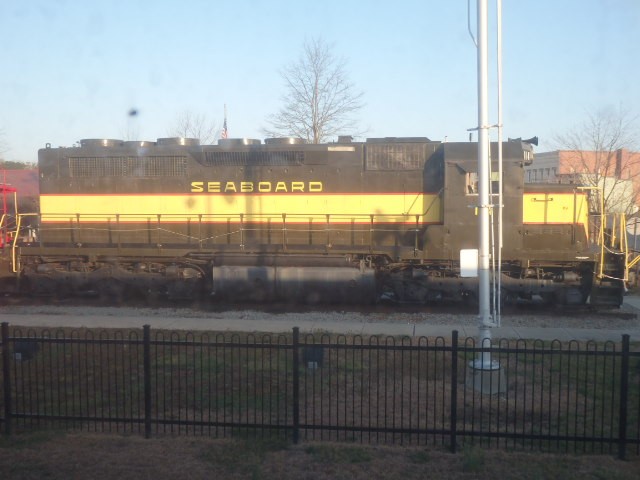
<point>224,132</point>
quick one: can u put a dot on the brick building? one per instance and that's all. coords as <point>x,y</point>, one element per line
<point>616,172</point>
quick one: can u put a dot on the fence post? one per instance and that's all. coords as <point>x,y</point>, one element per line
<point>296,385</point>
<point>6,378</point>
<point>146,337</point>
<point>454,392</point>
<point>624,398</point>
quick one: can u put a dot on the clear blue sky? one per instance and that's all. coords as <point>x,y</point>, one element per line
<point>73,69</point>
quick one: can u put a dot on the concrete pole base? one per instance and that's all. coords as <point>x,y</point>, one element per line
<point>489,381</point>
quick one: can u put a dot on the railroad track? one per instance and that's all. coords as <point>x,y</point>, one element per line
<point>10,298</point>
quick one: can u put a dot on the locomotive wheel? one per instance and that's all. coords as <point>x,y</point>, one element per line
<point>62,291</point>
<point>549,298</point>
<point>507,298</point>
<point>111,292</point>
<point>153,297</point>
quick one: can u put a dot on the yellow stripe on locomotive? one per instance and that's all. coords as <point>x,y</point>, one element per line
<point>393,208</point>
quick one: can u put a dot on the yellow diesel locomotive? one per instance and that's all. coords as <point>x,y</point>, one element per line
<point>282,220</point>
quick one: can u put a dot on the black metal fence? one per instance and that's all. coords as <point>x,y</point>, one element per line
<point>547,396</point>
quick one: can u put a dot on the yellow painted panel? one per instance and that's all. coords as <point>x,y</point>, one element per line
<point>556,208</point>
<point>393,208</point>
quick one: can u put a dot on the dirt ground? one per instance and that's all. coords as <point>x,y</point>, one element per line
<point>101,456</point>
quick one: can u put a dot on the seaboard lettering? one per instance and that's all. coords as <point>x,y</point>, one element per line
<point>265,186</point>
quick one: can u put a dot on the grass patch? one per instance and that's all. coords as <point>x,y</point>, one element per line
<point>419,456</point>
<point>29,470</point>
<point>339,454</point>
<point>243,455</point>
<point>29,440</point>
<point>473,459</point>
<point>114,457</point>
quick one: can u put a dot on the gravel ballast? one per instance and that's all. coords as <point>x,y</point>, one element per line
<point>625,318</point>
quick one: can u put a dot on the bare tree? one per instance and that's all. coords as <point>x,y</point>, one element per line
<point>320,101</point>
<point>3,145</point>
<point>130,132</point>
<point>13,165</point>
<point>600,153</point>
<point>193,125</point>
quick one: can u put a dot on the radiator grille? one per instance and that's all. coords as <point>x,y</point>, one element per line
<point>166,166</point>
<point>229,159</point>
<point>125,166</point>
<point>409,156</point>
<point>98,166</point>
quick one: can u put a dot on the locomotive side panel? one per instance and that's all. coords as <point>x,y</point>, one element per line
<point>322,196</point>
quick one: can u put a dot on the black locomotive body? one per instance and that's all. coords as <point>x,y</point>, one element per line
<point>284,220</point>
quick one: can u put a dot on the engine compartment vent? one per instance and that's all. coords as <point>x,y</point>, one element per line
<point>285,141</point>
<point>179,141</point>
<point>236,142</point>
<point>100,142</point>
<point>138,143</point>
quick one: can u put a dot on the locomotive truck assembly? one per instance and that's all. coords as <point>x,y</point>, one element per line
<point>352,222</point>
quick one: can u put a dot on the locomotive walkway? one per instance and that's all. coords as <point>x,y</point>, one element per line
<point>276,324</point>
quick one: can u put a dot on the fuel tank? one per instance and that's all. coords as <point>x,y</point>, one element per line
<point>298,284</point>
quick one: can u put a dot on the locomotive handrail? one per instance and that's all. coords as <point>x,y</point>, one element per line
<point>433,200</point>
<point>319,219</point>
<point>3,227</point>
<point>74,216</point>
<point>624,244</point>
<point>600,238</point>
<point>614,241</point>
<point>120,224</point>
<point>633,262</point>
<point>14,245</point>
<point>2,223</point>
<point>607,242</point>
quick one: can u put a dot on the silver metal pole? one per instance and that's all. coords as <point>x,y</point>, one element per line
<point>498,309</point>
<point>484,315</point>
